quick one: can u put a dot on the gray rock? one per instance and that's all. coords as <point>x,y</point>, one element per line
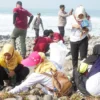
<point>48,97</point>
<point>18,97</point>
<point>8,88</point>
<point>10,99</point>
<point>31,97</point>
<point>55,98</point>
<point>63,98</point>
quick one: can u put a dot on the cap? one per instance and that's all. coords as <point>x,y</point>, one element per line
<point>33,59</point>
<point>56,36</point>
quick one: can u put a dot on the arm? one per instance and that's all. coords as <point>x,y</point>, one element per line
<point>31,17</point>
<point>36,40</point>
<point>63,15</point>
<point>34,23</point>
<point>30,20</point>
<point>18,68</point>
<point>71,12</point>
<point>90,26</point>
<point>19,57</point>
<point>33,79</point>
<point>42,25</point>
<point>14,18</point>
<point>15,13</point>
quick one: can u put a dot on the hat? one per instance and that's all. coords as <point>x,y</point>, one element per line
<point>19,2</point>
<point>56,36</point>
<point>33,59</point>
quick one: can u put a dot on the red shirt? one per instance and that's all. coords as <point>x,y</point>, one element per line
<point>21,19</point>
<point>41,44</point>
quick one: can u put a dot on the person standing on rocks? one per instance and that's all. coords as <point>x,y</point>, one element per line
<point>79,36</point>
<point>21,24</point>
<point>62,15</point>
<point>36,25</point>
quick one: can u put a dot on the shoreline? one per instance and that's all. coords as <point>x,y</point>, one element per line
<point>30,42</point>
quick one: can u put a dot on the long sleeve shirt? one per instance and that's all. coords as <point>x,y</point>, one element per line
<point>75,33</point>
<point>62,18</point>
<point>37,22</point>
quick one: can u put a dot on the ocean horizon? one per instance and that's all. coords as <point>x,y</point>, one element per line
<point>48,12</point>
<point>50,21</point>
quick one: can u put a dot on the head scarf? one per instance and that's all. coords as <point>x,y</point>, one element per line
<point>45,65</point>
<point>8,48</point>
<point>15,59</point>
<point>80,10</point>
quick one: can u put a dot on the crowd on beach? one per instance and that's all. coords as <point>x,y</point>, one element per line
<point>49,72</point>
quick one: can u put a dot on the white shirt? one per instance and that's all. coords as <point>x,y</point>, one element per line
<point>75,33</point>
<point>93,84</point>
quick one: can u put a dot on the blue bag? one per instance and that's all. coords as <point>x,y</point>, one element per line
<point>85,23</point>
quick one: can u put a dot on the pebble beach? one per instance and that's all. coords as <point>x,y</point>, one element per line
<point>34,93</point>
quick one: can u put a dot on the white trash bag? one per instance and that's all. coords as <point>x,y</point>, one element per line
<point>58,52</point>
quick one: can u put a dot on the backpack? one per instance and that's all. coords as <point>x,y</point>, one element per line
<point>61,84</point>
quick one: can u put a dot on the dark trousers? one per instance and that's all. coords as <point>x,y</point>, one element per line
<point>80,81</point>
<point>21,73</point>
<point>36,33</point>
<point>76,47</point>
<point>22,34</point>
<point>62,31</point>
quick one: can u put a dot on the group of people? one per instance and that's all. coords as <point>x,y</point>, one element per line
<point>14,67</point>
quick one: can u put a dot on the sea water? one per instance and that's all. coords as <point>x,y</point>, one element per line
<point>50,21</point>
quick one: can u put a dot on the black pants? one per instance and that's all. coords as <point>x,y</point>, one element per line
<point>21,73</point>
<point>76,47</point>
<point>80,81</point>
<point>36,33</point>
<point>62,31</point>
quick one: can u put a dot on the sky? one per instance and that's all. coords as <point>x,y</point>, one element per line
<point>52,4</point>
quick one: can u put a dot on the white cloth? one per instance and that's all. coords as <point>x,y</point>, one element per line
<point>93,85</point>
<point>33,79</point>
<point>80,10</point>
<point>75,33</point>
<point>58,52</point>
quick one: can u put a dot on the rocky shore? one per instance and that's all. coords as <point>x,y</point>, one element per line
<point>30,41</point>
<point>35,93</point>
